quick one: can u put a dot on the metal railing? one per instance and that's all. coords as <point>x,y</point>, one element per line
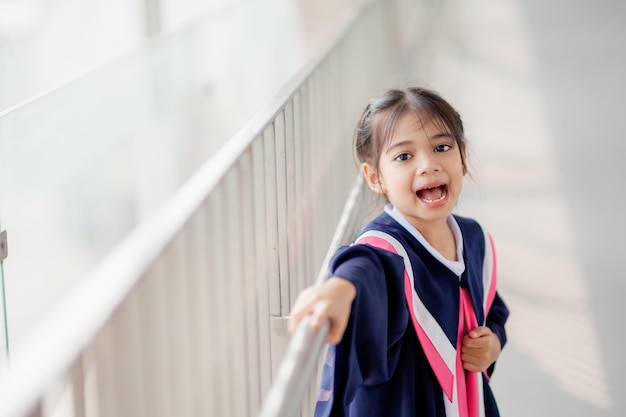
<point>296,371</point>
<point>178,319</point>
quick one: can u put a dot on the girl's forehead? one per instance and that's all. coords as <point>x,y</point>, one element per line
<point>413,122</point>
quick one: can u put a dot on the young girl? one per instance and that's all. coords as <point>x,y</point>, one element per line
<point>413,307</point>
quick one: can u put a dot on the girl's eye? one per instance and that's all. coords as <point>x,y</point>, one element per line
<point>403,157</point>
<point>442,147</point>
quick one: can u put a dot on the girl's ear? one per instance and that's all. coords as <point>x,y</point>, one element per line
<point>373,179</point>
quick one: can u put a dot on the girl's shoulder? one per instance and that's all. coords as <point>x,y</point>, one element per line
<point>386,235</point>
<point>467,223</point>
<point>386,224</point>
<point>366,251</point>
<point>475,237</point>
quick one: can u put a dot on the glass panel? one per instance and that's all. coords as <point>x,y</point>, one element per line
<point>81,166</point>
<point>45,43</point>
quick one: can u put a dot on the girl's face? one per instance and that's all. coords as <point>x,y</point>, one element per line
<point>420,171</point>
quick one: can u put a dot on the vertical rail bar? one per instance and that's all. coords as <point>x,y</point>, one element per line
<point>204,392</point>
<point>90,387</point>
<point>178,321</point>
<point>103,351</point>
<point>307,185</point>
<point>299,196</point>
<point>127,350</point>
<point>246,194</point>
<point>316,141</point>
<point>274,229</point>
<point>36,411</point>
<point>234,282</point>
<point>78,388</point>
<point>262,268</point>
<point>155,359</point>
<point>153,20</point>
<point>271,220</point>
<point>292,224</point>
<point>281,211</point>
<point>223,379</point>
<point>4,250</point>
<point>166,368</point>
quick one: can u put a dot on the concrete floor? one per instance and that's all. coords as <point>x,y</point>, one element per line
<point>540,85</point>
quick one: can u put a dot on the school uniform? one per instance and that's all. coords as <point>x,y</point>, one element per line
<point>405,362</point>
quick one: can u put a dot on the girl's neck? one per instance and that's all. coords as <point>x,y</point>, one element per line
<point>439,234</point>
<point>442,240</point>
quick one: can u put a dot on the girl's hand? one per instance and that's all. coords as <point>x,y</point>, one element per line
<point>481,347</point>
<point>330,300</point>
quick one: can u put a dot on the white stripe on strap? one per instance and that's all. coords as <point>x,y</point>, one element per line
<point>443,349</point>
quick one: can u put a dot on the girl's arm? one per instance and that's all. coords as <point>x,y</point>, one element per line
<point>331,300</point>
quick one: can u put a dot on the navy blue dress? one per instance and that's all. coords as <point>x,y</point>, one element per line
<point>380,368</point>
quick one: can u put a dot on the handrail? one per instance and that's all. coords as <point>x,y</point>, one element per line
<point>303,352</point>
<point>296,369</point>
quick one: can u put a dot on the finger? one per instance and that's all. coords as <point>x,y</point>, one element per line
<point>318,315</point>
<point>472,351</point>
<point>301,307</point>
<point>472,367</point>
<point>474,363</point>
<point>470,343</point>
<point>475,357</point>
<point>475,346</point>
<point>479,331</point>
<point>294,320</point>
<point>468,361</point>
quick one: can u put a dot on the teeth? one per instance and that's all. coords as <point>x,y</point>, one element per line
<point>443,195</point>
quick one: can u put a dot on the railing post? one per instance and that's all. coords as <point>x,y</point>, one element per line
<point>4,251</point>
<point>4,247</point>
<point>152,17</point>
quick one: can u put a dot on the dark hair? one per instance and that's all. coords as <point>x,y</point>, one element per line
<point>378,121</point>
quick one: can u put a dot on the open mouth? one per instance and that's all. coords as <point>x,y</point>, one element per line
<point>433,194</point>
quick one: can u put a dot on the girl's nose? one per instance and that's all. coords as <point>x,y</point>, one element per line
<point>427,163</point>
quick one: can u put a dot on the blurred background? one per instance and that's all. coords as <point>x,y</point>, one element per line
<point>48,43</point>
<point>107,108</point>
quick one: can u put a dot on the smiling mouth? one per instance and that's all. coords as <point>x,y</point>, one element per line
<point>433,194</point>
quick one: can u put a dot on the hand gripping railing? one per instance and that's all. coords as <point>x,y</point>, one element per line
<point>297,368</point>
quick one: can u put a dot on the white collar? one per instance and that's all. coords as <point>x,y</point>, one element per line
<point>458,267</point>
